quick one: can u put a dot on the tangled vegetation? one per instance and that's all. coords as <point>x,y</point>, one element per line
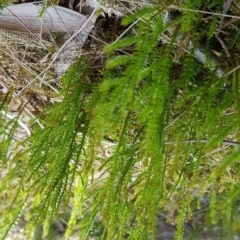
<point>156,129</point>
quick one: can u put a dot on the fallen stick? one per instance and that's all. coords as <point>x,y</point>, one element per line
<point>25,18</point>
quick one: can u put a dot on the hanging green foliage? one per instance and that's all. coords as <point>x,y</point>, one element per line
<point>157,129</point>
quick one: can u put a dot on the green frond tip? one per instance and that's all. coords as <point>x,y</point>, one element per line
<point>148,131</point>
<point>109,84</point>
<point>147,11</point>
<point>3,4</point>
<point>120,44</point>
<point>118,61</point>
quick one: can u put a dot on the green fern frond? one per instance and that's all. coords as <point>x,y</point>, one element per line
<point>145,133</point>
<point>144,12</point>
<point>119,44</point>
<point>180,221</point>
<point>213,203</point>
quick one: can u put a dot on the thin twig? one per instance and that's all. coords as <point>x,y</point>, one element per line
<point>29,70</point>
<point>226,142</point>
<point>65,44</point>
<point>226,6</point>
<point>24,25</point>
<point>200,11</point>
<point>20,123</point>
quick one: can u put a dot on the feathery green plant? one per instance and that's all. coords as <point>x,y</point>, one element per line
<point>165,126</point>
